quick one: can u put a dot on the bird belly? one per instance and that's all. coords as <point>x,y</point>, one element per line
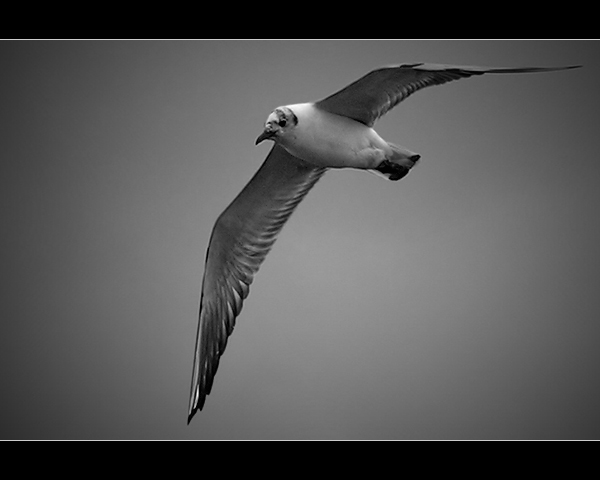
<point>333,141</point>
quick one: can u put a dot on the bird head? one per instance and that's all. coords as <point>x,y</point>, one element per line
<point>278,123</point>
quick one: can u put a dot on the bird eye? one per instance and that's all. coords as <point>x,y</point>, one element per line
<point>282,122</point>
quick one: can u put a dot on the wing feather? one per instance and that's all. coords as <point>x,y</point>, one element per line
<point>373,95</point>
<point>241,238</point>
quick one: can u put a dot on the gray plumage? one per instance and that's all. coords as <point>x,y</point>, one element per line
<point>245,232</point>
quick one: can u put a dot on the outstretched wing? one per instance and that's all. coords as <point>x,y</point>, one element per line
<point>241,238</point>
<point>373,95</point>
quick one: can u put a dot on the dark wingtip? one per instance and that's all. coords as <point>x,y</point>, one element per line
<point>192,413</point>
<point>195,408</point>
<point>555,69</point>
<point>569,67</point>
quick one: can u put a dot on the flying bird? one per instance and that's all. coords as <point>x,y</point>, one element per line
<point>309,139</point>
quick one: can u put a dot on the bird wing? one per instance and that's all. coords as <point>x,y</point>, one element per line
<point>241,238</point>
<point>374,94</point>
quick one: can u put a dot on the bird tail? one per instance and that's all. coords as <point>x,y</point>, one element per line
<point>398,164</point>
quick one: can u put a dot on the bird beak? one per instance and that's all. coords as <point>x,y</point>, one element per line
<point>266,135</point>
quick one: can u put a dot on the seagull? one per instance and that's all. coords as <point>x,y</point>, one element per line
<point>309,139</point>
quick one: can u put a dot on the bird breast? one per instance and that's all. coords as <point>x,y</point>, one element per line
<point>329,140</point>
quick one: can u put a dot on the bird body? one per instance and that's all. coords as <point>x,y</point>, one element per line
<point>310,138</point>
<point>333,141</point>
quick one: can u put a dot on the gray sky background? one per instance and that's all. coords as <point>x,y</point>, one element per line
<point>459,303</point>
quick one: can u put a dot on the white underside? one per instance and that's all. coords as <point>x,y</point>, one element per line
<point>333,141</point>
